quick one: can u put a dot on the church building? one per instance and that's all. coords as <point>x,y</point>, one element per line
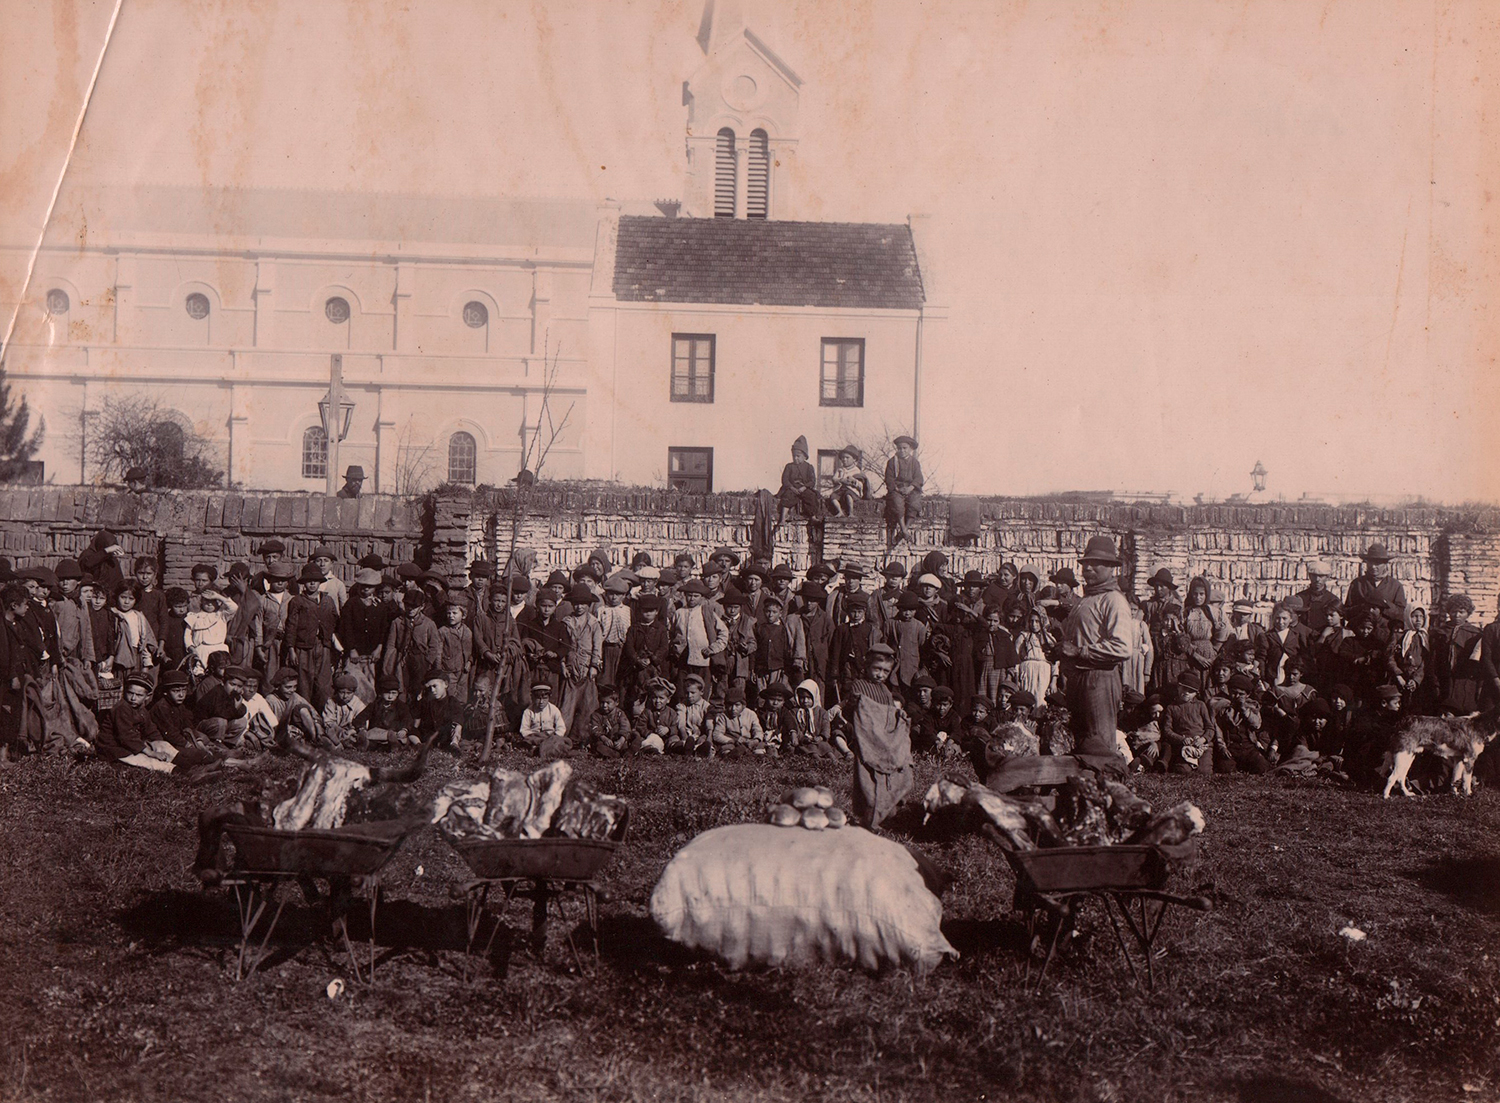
<point>682,343</point>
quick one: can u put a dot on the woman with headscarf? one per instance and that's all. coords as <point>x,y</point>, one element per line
<point>1203,624</point>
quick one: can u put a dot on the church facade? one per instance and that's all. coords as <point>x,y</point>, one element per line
<point>682,343</point>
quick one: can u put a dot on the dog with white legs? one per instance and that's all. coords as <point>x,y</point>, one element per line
<point>1457,740</point>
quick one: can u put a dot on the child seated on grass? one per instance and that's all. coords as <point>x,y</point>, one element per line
<point>810,728</point>
<point>294,716</point>
<point>386,720</point>
<point>542,725</point>
<point>341,711</point>
<point>690,728</point>
<point>1188,729</point>
<point>653,726</point>
<point>609,727</point>
<point>128,733</point>
<point>775,720</point>
<point>737,730</point>
<point>438,718</point>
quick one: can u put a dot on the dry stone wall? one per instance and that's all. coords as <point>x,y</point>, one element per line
<point>1247,551</point>
<point>42,525</point>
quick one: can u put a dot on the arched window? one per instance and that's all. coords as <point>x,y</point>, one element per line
<point>463,459</point>
<point>314,453</point>
<point>724,175</point>
<point>758,183</point>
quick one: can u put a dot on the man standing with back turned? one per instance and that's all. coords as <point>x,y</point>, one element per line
<point>1096,640</point>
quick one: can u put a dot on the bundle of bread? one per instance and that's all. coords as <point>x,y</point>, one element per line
<point>512,805</point>
<point>810,806</point>
<point>1088,812</point>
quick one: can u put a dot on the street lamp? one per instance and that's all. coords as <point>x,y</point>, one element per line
<point>337,411</point>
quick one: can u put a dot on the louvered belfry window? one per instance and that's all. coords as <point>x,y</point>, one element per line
<point>724,175</point>
<point>758,184</point>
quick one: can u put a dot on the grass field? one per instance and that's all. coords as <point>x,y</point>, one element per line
<point>116,969</point>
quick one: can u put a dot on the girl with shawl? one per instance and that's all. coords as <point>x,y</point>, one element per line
<point>881,740</point>
<point>1033,667</point>
<point>1203,624</point>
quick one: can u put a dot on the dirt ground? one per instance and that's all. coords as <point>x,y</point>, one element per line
<point>116,968</point>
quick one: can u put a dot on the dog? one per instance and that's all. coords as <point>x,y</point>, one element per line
<point>1457,740</point>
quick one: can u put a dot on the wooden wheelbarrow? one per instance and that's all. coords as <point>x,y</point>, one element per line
<point>549,869</point>
<point>348,859</point>
<point>1130,880</point>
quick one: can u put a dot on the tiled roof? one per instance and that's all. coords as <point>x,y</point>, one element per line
<point>769,263</point>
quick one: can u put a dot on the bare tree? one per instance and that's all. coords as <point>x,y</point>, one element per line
<point>536,443</point>
<point>413,466</point>
<point>136,430</point>
<point>878,447</point>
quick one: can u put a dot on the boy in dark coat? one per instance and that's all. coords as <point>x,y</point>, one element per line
<point>307,639</point>
<point>799,484</point>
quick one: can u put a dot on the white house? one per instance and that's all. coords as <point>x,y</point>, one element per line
<point>686,342</point>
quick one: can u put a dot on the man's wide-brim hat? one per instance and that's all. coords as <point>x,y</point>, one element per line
<point>1101,549</point>
<point>1377,553</point>
<point>905,440</point>
<point>1162,577</point>
<point>354,471</point>
<point>1064,577</point>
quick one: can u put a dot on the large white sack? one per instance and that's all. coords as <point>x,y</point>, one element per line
<point>789,896</point>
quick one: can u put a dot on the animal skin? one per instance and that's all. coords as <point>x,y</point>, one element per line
<point>1457,740</point>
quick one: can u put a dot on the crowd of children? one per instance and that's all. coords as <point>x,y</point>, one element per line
<point>722,659</point>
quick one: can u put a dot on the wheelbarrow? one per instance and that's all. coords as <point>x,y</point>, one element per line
<point>1128,879</point>
<point>544,871</point>
<point>348,859</point>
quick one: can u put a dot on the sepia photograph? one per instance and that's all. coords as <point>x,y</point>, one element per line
<point>750,550</point>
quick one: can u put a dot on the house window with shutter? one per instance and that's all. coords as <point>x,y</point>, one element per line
<point>691,470</point>
<point>758,183</point>
<point>692,367</point>
<point>843,382</point>
<point>724,175</point>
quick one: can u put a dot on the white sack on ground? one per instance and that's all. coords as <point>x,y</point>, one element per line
<point>765,894</point>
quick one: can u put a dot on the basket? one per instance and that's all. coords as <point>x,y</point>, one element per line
<point>1099,868</point>
<point>354,851</point>
<point>554,859</point>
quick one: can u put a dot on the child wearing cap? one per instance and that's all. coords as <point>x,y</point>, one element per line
<point>903,490</point>
<point>775,717</point>
<point>295,716</point>
<point>177,723</point>
<point>609,727</point>
<point>698,633</point>
<point>385,720</point>
<point>542,726</point>
<point>614,626</point>
<point>995,654</point>
<point>738,658</point>
<point>780,648</point>
<point>648,649</point>
<point>851,642</point>
<point>1188,728</point>
<point>1239,743</point>
<point>584,659</point>
<point>342,711</point>
<point>330,585</point>
<point>75,635</point>
<point>173,647</point>
<point>308,639</point>
<point>910,636</point>
<point>412,647</point>
<point>128,735</point>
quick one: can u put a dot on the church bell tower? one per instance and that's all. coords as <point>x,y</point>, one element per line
<point>742,122</point>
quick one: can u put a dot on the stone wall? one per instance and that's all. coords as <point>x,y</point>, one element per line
<point>42,525</point>
<point>1248,551</point>
<point>1253,551</point>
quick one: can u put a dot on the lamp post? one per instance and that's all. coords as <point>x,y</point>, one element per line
<point>337,413</point>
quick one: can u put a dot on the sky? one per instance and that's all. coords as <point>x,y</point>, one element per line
<point>1171,239</point>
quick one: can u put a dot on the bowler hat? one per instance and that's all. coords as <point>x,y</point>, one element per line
<point>820,571</point>
<point>1101,549</point>
<point>68,568</point>
<point>1064,577</point>
<point>373,561</point>
<point>725,553</point>
<point>310,574</point>
<point>482,568</point>
<point>1162,577</point>
<point>973,578</point>
<point>782,570</point>
<point>559,578</point>
<point>323,551</point>
<point>893,570</point>
<point>1377,553</point>
<point>852,570</point>
<point>814,593</point>
<point>354,471</point>
<point>581,595</point>
<point>908,600</point>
